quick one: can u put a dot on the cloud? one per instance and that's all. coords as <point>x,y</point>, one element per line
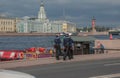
<point>79,11</point>
<point>4,14</point>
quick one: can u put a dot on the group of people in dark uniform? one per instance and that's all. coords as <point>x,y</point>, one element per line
<point>67,46</point>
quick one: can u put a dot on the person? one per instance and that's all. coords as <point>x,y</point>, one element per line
<point>68,51</point>
<point>102,48</point>
<point>57,46</point>
<point>98,47</point>
<point>71,48</point>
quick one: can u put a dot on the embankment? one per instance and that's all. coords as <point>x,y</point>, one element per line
<point>109,44</point>
<point>27,34</point>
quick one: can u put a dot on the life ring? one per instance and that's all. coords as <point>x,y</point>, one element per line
<point>21,54</point>
<point>34,55</point>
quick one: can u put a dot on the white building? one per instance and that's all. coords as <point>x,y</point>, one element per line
<point>43,25</point>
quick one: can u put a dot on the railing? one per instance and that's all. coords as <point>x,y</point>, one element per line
<point>105,50</point>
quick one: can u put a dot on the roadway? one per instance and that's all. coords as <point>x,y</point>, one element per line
<point>78,69</point>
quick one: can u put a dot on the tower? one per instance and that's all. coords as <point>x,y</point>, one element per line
<point>93,24</point>
<point>41,13</point>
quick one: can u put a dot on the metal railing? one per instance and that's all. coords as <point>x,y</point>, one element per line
<point>105,50</point>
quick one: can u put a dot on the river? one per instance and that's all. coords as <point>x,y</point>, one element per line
<point>24,42</point>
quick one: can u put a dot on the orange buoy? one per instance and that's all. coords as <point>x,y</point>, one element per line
<point>41,49</point>
<point>111,37</point>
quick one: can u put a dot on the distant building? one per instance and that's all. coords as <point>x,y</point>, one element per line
<point>62,26</point>
<point>69,27</point>
<point>28,26</point>
<point>8,24</point>
<point>42,14</point>
<point>43,25</point>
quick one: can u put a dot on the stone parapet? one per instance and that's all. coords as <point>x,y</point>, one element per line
<point>110,45</point>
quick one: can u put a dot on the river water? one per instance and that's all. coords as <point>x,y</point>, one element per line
<point>24,42</point>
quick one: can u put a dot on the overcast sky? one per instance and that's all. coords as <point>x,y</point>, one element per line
<point>106,12</point>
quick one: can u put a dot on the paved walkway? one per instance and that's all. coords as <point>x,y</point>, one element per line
<point>50,60</point>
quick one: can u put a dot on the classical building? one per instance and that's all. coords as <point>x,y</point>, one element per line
<point>8,24</point>
<point>28,26</point>
<point>68,27</point>
<point>43,25</point>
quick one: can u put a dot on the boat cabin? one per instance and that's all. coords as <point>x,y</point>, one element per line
<point>83,44</point>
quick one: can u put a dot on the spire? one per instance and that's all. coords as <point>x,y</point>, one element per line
<point>42,4</point>
<point>41,13</point>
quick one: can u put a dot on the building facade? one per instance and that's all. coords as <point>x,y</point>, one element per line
<point>8,24</point>
<point>28,26</point>
<point>43,25</point>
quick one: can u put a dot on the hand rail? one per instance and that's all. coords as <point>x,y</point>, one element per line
<point>107,49</point>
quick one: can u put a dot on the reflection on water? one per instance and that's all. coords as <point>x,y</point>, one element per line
<point>23,42</point>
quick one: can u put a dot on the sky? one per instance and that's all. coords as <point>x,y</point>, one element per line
<point>106,12</point>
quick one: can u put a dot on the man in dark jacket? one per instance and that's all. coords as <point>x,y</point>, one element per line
<point>68,43</point>
<point>57,46</point>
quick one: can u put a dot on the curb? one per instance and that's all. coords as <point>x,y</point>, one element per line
<point>52,60</point>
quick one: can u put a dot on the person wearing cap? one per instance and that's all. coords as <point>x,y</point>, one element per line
<point>68,43</point>
<point>57,46</point>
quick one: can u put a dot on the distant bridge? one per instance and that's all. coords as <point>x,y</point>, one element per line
<point>93,33</point>
<point>114,32</point>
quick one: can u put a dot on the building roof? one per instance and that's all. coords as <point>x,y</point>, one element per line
<point>2,17</point>
<point>83,38</point>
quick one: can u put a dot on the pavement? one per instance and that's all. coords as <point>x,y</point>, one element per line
<point>52,60</point>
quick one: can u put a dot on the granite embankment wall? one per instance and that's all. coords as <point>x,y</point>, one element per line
<point>111,45</point>
<point>27,34</point>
